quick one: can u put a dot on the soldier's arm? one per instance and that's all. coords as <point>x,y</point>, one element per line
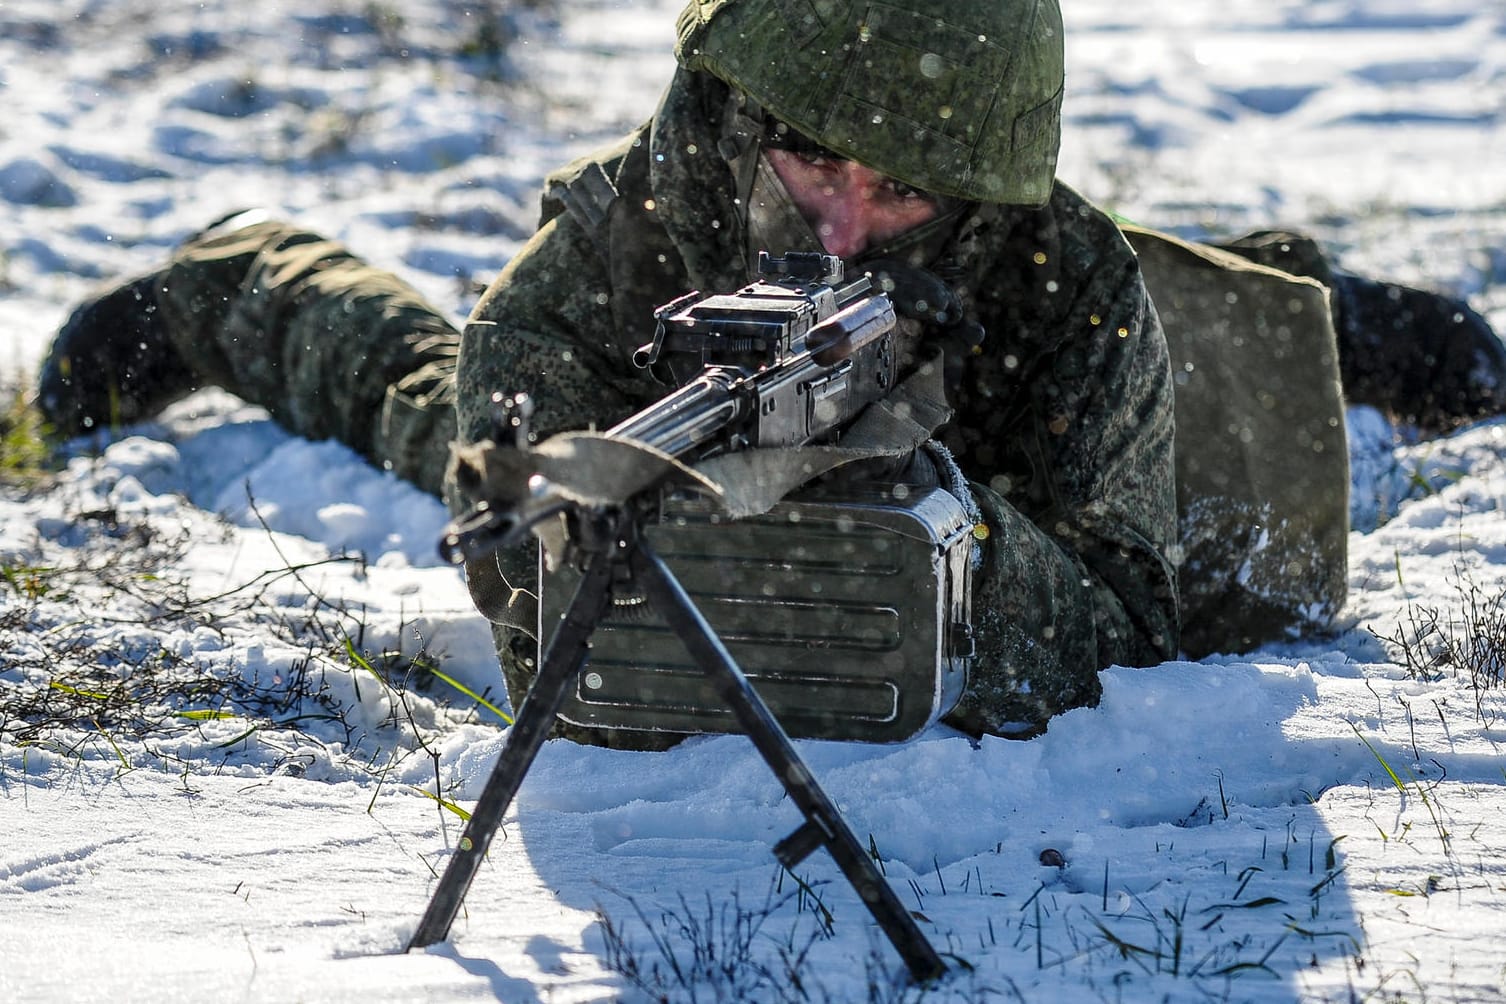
<point>1076,574</point>
<point>545,327</point>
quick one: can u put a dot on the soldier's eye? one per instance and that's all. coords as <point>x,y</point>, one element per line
<point>815,159</point>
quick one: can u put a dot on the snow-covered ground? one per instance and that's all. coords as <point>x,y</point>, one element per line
<point>218,766</point>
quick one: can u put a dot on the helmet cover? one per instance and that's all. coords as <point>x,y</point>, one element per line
<point>956,97</point>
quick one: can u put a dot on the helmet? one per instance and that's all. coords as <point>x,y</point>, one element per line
<point>956,97</point>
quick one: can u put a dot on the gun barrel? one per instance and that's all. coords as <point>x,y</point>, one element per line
<point>690,416</point>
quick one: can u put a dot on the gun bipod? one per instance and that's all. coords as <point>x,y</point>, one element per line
<point>563,661</point>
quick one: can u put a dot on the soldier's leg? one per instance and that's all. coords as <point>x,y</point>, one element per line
<point>331,346</point>
<point>112,363</point>
<point>1426,359</point>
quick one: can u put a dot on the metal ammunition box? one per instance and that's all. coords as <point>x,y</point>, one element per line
<point>851,618</point>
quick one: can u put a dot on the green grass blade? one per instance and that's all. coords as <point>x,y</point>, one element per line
<point>444,803</point>
<point>468,692</point>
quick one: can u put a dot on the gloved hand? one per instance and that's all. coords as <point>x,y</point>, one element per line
<point>935,308</point>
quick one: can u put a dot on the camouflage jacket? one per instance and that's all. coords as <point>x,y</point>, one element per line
<point>1063,425</point>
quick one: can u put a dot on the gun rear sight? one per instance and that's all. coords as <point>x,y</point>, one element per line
<point>804,266</point>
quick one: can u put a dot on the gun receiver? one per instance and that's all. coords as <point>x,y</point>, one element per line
<point>786,361</point>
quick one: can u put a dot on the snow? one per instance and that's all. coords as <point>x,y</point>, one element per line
<point>1308,821</point>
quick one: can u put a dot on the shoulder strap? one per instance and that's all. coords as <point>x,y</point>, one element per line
<point>609,196</point>
<point>587,197</point>
<point>587,188</point>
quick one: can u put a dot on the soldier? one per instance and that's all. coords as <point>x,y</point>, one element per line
<point>917,139</point>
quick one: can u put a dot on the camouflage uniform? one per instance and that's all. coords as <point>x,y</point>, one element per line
<point>1063,423</point>
<point>332,347</point>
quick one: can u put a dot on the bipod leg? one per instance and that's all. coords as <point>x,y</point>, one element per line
<point>560,666</point>
<point>824,825</point>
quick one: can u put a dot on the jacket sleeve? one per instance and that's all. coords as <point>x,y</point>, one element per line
<point>1069,448</point>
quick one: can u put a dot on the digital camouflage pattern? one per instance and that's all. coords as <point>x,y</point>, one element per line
<point>1064,423</point>
<point>959,99</point>
<point>332,347</point>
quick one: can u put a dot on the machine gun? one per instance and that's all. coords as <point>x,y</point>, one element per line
<point>788,361</point>
<point>785,361</point>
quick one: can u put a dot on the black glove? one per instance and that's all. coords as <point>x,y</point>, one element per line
<point>942,317</point>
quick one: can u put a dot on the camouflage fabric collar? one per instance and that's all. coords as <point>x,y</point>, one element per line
<point>693,194</point>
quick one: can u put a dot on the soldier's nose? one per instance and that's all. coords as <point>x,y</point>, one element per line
<point>848,215</point>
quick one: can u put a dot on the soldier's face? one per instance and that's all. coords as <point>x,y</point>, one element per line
<point>850,207</point>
